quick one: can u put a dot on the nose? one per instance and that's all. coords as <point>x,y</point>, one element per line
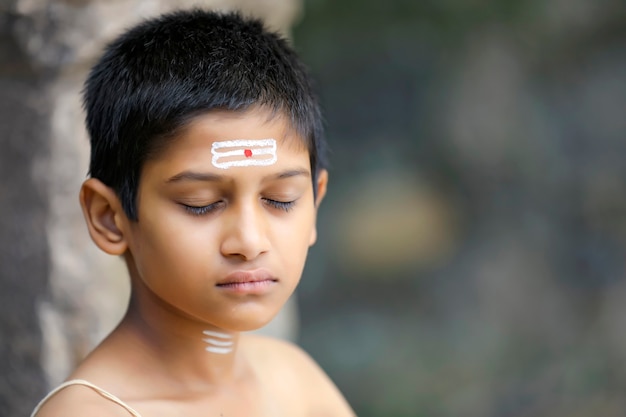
<point>245,232</point>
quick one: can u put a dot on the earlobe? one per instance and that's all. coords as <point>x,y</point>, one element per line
<point>321,185</point>
<point>103,215</point>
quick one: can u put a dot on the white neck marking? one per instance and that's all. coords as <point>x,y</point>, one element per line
<point>218,342</point>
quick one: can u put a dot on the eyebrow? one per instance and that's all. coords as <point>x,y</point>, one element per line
<point>210,177</point>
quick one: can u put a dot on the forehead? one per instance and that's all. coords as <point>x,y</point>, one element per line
<point>250,133</point>
<point>223,125</point>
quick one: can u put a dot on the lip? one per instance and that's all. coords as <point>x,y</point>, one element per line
<point>257,281</point>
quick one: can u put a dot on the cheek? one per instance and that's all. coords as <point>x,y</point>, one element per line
<point>294,239</point>
<point>168,248</point>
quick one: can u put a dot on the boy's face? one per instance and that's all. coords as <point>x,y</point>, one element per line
<point>217,241</point>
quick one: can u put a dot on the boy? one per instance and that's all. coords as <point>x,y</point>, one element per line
<point>206,173</point>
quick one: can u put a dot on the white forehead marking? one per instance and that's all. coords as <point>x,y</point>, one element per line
<point>243,153</point>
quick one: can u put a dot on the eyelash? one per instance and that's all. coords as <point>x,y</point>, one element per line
<point>199,211</point>
<point>202,210</point>
<point>281,205</point>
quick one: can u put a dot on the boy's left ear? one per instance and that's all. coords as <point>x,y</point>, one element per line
<point>322,183</point>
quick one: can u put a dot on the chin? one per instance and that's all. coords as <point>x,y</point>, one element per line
<point>248,320</point>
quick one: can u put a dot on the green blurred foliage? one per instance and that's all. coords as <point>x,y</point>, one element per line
<point>494,131</point>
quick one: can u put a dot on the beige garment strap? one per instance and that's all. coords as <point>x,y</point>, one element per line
<point>100,391</point>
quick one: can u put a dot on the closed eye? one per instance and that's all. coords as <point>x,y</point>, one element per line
<point>201,210</point>
<point>282,205</point>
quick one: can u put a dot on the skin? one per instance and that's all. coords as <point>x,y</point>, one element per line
<point>198,224</point>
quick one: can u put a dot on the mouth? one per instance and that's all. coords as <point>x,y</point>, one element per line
<point>250,282</point>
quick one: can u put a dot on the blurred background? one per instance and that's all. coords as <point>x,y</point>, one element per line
<point>471,255</point>
<point>470,259</point>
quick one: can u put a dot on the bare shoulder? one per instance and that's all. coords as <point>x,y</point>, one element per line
<point>292,372</point>
<point>283,356</point>
<point>78,401</point>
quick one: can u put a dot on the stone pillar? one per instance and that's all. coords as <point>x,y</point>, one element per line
<point>59,295</point>
<point>24,257</point>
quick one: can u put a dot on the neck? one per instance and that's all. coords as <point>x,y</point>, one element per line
<point>185,350</point>
<point>218,342</point>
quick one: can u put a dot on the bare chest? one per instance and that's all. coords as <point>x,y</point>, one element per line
<point>235,403</point>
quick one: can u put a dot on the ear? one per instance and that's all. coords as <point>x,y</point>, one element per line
<point>322,183</point>
<point>104,216</point>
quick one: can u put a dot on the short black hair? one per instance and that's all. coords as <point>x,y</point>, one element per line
<point>156,77</point>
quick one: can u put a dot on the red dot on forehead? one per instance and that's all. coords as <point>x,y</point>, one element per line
<point>247,153</point>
